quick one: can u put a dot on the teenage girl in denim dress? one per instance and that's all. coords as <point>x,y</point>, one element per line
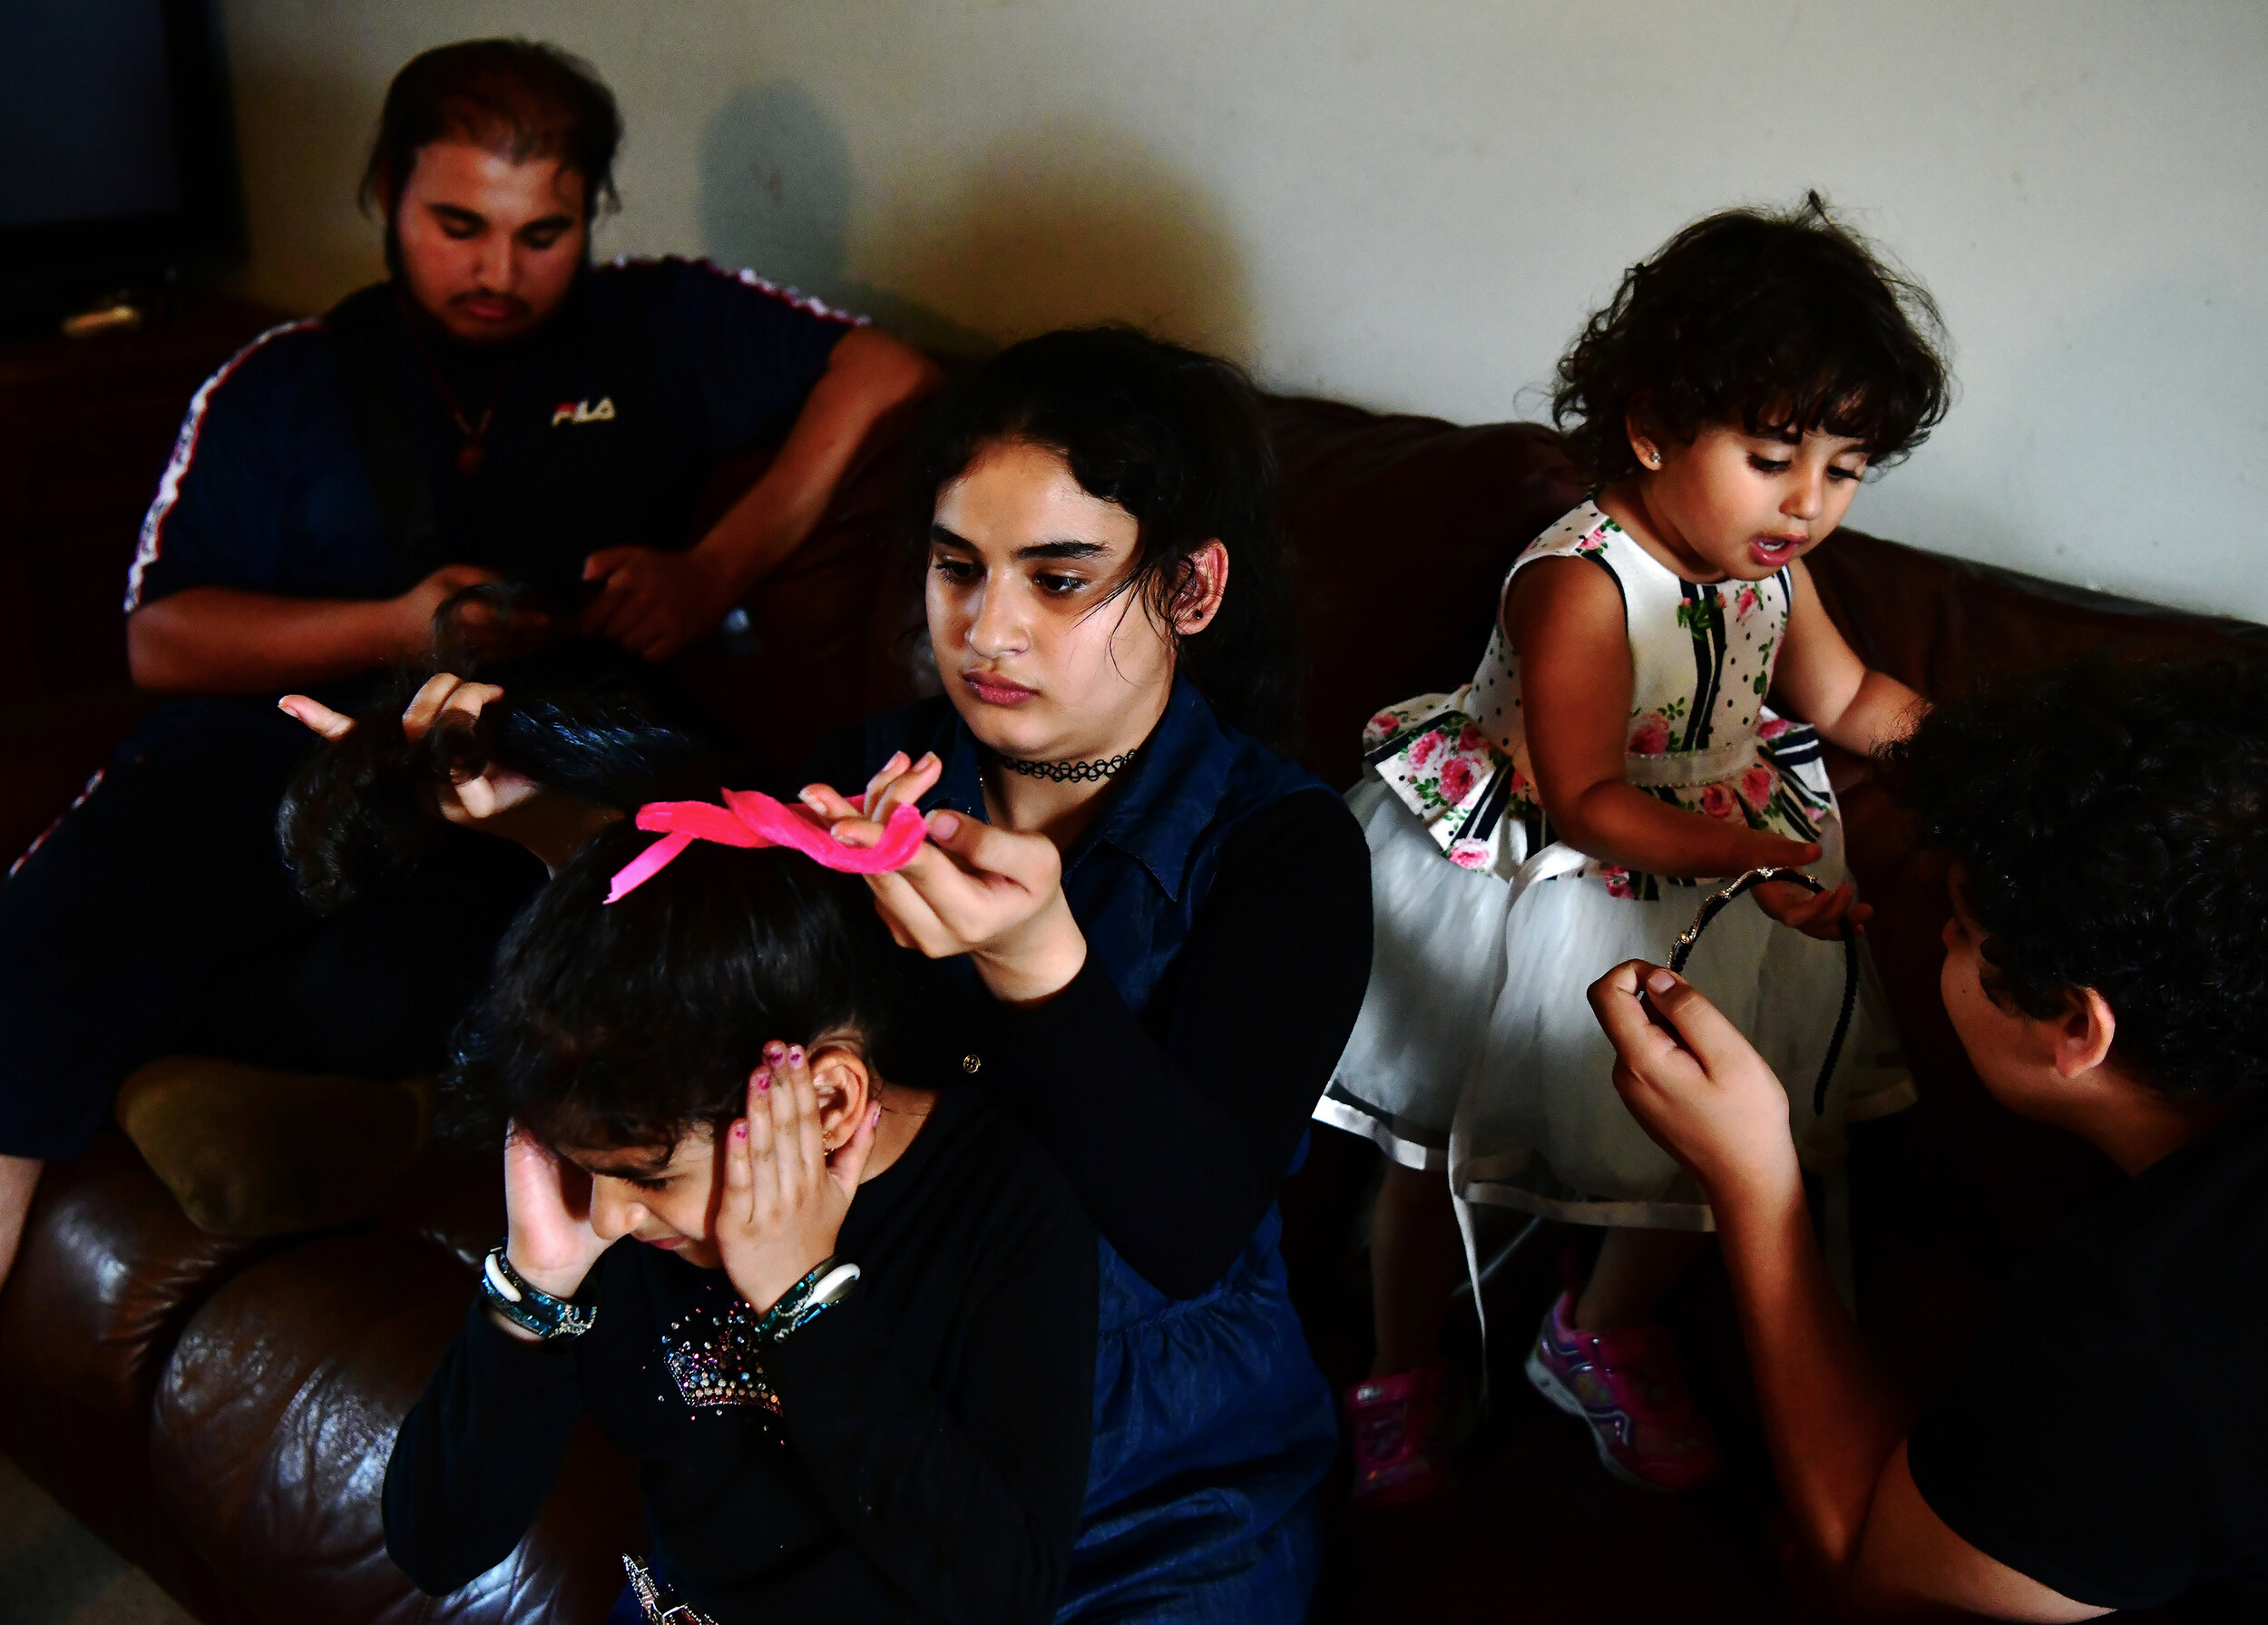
<point>1148,931</point>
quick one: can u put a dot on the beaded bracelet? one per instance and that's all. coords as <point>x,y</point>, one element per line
<point>1716,903</point>
<point>527,1305</point>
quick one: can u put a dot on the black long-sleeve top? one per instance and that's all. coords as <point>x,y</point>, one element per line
<point>1231,893</point>
<point>931,1449</point>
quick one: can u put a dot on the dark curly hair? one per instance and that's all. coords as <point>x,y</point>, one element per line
<point>627,1025</point>
<point>1767,320</point>
<point>572,717</point>
<point>2110,821</point>
<point>1176,438</point>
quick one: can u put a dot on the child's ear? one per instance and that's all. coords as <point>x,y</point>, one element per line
<point>2083,1032</point>
<point>844,1086</point>
<point>1645,439</point>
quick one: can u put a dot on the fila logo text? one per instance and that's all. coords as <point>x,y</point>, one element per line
<point>583,412</point>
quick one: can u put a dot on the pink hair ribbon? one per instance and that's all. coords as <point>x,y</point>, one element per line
<point>750,819</point>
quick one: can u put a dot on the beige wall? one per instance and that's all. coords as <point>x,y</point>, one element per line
<point>1411,203</point>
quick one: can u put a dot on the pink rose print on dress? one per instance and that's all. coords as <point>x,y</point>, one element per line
<point>1746,604</point>
<point>1428,746</point>
<point>1617,879</point>
<point>1772,728</point>
<point>1469,855</point>
<point>1457,776</point>
<point>1471,740</point>
<point>1757,786</point>
<point>1718,802</point>
<point>1381,727</point>
<point>1651,736</point>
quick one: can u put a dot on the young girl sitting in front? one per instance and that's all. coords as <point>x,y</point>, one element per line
<point>845,1325</point>
<point>1616,748</point>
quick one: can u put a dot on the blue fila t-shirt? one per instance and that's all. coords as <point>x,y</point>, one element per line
<point>602,428</point>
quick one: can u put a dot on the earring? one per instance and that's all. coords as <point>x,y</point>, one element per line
<point>1653,458</point>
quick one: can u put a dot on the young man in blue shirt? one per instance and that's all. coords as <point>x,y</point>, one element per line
<point>497,409</point>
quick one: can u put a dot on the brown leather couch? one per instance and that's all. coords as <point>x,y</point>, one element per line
<point>221,1411</point>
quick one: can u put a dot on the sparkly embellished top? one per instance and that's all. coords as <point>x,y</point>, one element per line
<point>918,1452</point>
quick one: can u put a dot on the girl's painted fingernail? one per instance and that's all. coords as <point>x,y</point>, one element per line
<point>763,1079</point>
<point>775,1052</point>
<point>741,1129</point>
<point>795,1054</point>
<point>944,826</point>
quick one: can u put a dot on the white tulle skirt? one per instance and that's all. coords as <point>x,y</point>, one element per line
<point>1476,1052</point>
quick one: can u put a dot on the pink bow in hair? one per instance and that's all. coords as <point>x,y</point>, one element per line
<point>751,818</point>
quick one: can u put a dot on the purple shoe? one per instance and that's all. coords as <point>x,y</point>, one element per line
<point>1392,1421</point>
<point>1626,1383</point>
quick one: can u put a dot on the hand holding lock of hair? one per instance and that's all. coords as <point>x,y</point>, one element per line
<point>498,799</point>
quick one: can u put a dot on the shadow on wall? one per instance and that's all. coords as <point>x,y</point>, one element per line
<point>1065,223</point>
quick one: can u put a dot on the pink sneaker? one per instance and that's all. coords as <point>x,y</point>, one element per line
<point>1624,1383</point>
<point>1392,1420</point>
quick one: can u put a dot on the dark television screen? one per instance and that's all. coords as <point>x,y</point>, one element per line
<point>86,111</point>
<point>117,168</point>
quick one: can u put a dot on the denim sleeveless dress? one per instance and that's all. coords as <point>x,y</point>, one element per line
<point>1212,1424</point>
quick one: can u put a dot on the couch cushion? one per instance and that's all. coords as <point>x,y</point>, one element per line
<point>250,1152</point>
<point>276,1414</point>
<point>1402,530</point>
<point>1941,624</point>
<point>109,1272</point>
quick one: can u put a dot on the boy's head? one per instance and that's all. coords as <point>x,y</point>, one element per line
<point>621,1036</point>
<point>2109,864</point>
<point>1773,324</point>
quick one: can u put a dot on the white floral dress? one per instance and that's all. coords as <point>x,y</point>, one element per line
<point>1475,1049</point>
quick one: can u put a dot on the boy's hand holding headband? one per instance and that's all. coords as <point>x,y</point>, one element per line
<point>1694,1082</point>
<point>750,819</point>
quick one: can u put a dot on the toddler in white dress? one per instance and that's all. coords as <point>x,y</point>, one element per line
<point>1632,734</point>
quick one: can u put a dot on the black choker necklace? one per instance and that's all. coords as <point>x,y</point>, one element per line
<point>1066,772</point>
